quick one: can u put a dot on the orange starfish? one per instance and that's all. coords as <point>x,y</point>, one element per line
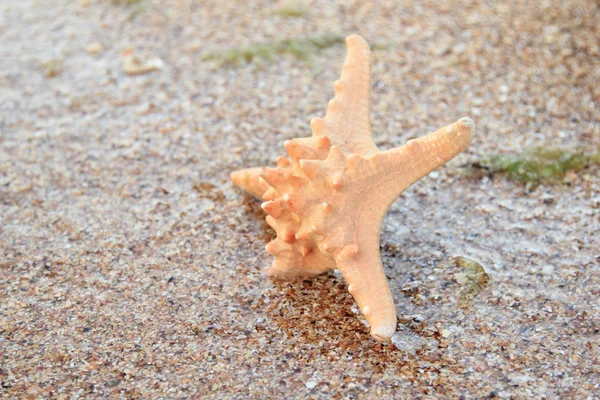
<point>327,204</point>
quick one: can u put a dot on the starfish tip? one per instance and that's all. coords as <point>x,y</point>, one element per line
<point>355,39</point>
<point>465,130</point>
<point>237,177</point>
<point>467,123</point>
<point>384,332</point>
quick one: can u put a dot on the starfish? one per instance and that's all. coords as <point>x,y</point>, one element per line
<point>327,202</point>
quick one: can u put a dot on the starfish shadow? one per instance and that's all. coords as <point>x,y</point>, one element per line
<point>252,208</point>
<point>318,314</point>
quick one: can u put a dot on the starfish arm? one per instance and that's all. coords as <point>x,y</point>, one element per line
<point>250,180</point>
<point>402,166</point>
<point>367,282</point>
<point>347,119</point>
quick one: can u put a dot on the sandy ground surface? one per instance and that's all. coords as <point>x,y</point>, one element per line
<point>130,266</point>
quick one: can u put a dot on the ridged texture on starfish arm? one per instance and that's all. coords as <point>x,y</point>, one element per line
<point>347,118</point>
<point>328,200</point>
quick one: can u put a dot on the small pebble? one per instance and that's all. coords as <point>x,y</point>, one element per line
<point>95,48</point>
<point>311,384</point>
<point>548,270</point>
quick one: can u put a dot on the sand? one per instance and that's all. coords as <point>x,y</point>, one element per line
<point>130,267</point>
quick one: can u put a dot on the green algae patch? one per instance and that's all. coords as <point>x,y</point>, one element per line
<point>127,2</point>
<point>136,7</point>
<point>472,278</point>
<point>540,165</point>
<point>292,11</point>
<point>301,49</point>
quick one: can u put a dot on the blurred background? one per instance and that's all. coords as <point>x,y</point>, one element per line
<point>130,266</point>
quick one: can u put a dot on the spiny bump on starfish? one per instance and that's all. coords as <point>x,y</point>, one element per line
<point>327,202</point>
